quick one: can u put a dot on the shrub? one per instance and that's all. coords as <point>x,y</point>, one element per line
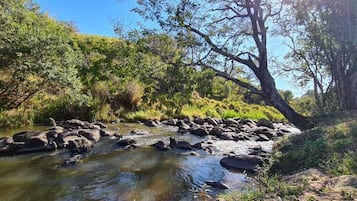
<point>71,106</point>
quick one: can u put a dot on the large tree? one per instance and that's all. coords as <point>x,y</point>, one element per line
<point>324,42</point>
<point>36,53</point>
<point>225,35</point>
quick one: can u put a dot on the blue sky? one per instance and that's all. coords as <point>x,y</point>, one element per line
<point>99,16</point>
<point>92,16</point>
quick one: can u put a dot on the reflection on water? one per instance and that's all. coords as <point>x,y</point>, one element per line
<point>110,173</point>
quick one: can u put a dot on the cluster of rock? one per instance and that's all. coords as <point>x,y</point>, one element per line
<point>230,129</point>
<point>80,136</point>
<point>234,129</point>
<point>75,135</point>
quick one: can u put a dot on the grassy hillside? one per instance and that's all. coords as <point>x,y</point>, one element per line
<point>319,164</point>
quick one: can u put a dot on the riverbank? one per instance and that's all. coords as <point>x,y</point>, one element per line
<point>198,107</point>
<point>319,164</point>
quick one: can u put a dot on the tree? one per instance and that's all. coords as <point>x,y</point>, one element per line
<point>36,54</point>
<point>323,35</point>
<point>224,35</point>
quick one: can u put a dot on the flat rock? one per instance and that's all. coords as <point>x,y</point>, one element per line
<point>242,163</point>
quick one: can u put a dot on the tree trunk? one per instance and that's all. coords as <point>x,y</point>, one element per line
<point>272,96</point>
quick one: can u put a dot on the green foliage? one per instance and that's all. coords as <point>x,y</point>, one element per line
<point>68,106</point>
<point>37,53</point>
<point>268,186</point>
<point>330,147</point>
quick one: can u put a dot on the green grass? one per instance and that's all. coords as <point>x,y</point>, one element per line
<point>204,107</point>
<point>331,148</point>
<point>269,186</point>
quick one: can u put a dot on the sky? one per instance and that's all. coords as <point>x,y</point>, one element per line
<point>99,16</point>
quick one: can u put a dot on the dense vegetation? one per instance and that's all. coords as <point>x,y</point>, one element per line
<point>202,66</point>
<point>49,70</point>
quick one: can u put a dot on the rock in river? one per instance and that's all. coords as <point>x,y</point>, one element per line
<point>160,145</point>
<point>243,162</point>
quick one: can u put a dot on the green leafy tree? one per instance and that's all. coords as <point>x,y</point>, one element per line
<point>224,35</point>
<point>36,54</point>
<point>323,35</point>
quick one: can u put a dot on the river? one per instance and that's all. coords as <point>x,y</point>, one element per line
<point>112,173</point>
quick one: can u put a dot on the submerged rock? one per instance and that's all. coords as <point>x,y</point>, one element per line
<point>247,163</point>
<point>160,145</point>
<point>139,132</point>
<point>184,145</point>
<point>71,161</point>
<point>126,142</point>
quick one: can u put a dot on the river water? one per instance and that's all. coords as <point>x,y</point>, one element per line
<point>112,173</point>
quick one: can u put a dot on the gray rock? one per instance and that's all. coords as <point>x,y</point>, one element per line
<point>33,140</point>
<point>107,133</point>
<point>243,163</point>
<point>126,142</point>
<point>198,120</point>
<point>77,124</point>
<point>139,132</point>
<point>183,145</point>
<point>77,143</point>
<point>231,122</point>
<point>211,121</point>
<point>216,131</point>
<point>172,122</point>
<point>160,145</point>
<point>199,132</point>
<point>100,124</point>
<point>266,123</point>
<point>173,142</point>
<point>71,161</point>
<point>262,137</point>
<point>152,123</point>
<point>90,134</point>
<point>227,136</point>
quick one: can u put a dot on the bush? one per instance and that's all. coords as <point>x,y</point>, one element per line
<point>79,106</point>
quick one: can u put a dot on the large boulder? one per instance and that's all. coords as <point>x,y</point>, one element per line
<point>73,142</point>
<point>29,141</point>
<point>247,163</point>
